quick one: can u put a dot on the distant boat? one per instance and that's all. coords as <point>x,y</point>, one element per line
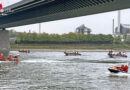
<point>24,51</point>
<point>72,53</point>
<point>119,54</point>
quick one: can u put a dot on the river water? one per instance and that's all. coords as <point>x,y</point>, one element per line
<point>55,71</point>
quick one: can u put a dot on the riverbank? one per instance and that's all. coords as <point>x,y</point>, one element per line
<point>71,47</point>
<point>62,50</point>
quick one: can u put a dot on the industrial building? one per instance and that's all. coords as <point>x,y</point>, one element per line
<point>123,32</point>
<point>124,29</point>
<point>83,29</point>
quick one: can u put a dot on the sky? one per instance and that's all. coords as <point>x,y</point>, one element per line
<point>98,23</point>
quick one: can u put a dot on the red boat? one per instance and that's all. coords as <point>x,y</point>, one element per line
<point>110,54</point>
<point>14,58</point>
<point>24,51</point>
<point>72,54</point>
<point>115,69</point>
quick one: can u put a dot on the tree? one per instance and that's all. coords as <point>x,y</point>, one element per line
<point>117,40</point>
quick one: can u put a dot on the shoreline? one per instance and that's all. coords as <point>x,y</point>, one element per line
<point>72,47</point>
<point>62,50</point>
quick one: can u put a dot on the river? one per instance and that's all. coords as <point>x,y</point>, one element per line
<point>55,71</point>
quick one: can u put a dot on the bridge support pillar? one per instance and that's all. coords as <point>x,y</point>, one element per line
<point>4,42</point>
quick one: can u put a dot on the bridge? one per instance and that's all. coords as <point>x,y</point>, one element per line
<point>36,11</point>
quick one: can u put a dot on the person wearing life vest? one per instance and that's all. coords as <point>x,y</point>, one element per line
<point>126,68</point>
<point>10,57</point>
<point>122,67</point>
<point>74,51</point>
<point>2,57</point>
<point>17,59</point>
<point>110,52</point>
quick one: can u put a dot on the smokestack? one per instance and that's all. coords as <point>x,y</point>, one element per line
<point>113,31</point>
<point>119,21</point>
<point>39,28</point>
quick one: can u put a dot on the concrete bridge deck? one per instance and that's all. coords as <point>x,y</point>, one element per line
<point>37,11</point>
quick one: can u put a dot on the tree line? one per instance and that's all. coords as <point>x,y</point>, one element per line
<point>70,38</point>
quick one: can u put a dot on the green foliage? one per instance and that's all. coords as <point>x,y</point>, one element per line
<point>117,40</point>
<point>34,38</point>
<point>125,36</point>
<point>127,40</point>
<point>13,33</point>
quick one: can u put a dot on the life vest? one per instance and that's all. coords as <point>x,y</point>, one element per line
<point>2,58</point>
<point>122,68</point>
<point>10,58</point>
<point>17,59</point>
<point>126,69</point>
<point>1,6</point>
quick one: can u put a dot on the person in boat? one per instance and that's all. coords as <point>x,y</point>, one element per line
<point>122,67</point>
<point>65,51</point>
<point>119,54</point>
<point>74,51</point>
<point>110,52</point>
<point>2,57</point>
<point>124,54</point>
<point>28,51</point>
<point>10,57</point>
<point>126,68</point>
<point>16,59</point>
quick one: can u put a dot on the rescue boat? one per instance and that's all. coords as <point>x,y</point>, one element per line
<point>114,69</point>
<point>117,55</point>
<point>72,54</point>
<point>24,51</point>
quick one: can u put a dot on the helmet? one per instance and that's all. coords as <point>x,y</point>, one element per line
<point>122,64</point>
<point>125,64</point>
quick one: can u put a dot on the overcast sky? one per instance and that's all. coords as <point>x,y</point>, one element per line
<point>99,23</point>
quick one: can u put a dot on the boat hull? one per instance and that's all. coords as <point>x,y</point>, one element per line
<point>72,54</point>
<point>2,60</point>
<point>24,51</point>
<point>113,70</point>
<point>116,55</point>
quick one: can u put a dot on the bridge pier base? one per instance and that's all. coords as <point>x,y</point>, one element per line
<point>4,42</point>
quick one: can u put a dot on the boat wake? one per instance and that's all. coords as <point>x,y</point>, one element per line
<point>120,74</point>
<point>39,61</point>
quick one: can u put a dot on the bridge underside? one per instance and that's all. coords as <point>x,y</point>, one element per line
<point>61,9</point>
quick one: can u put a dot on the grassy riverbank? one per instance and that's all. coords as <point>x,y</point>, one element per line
<point>72,46</point>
